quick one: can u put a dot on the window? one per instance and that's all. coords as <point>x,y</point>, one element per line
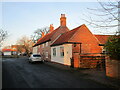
<point>46,44</point>
<point>35,55</point>
<point>42,45</point>
<point>61,51</point>
<point>74,45</point>
<point>46,54</point>
<point>54,51</point>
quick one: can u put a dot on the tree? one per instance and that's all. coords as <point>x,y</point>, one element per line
<point>108,15</point>
<point>113,47</point>
<point>26,43</point>
<point>3,35</point>
<point>38,33</point>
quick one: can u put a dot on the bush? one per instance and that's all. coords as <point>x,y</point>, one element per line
<point>113,47</point>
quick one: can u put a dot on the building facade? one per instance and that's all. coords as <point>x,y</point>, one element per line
<point>43,44</point>
<point>63,45</point>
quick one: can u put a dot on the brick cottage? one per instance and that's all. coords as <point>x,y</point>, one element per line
<point>65,46</point>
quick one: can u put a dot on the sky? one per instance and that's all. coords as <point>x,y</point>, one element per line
<point>23,18</point>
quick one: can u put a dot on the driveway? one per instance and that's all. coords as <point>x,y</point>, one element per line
<point>18,73</point>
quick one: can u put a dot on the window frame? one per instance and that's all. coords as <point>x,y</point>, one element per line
<point>61,51</point>
<point>46,54</point>
<point>43,45</point>
<point>46,44</point>
<point>54,52</point>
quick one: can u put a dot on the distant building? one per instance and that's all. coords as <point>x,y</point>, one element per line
<point>13,50</point>
<point>19,48</point>
<point>9,52</point>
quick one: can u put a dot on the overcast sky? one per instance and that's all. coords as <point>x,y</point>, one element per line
<point>23,18</point>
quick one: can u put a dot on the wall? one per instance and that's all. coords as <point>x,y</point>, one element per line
<point>42,50</point>
<point>7,53</point>
<point>90,43</point>
<point>35,50</point>
<point>67,54</point>
<point>112,68</point>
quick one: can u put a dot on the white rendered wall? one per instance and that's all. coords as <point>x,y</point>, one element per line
<point>67,54</point>
<point>7,53</point>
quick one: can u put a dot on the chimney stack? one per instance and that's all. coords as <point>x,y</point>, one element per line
<point>63,20</point>
<point>43,34</point>
<point>51,28</point>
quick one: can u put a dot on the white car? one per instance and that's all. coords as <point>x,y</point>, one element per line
<point>35,58</point>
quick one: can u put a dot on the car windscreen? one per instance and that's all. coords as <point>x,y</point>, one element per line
<point>36,55</point>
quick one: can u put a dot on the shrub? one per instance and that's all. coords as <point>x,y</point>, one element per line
<point>113,47</point>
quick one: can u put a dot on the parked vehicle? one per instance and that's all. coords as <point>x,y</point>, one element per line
<point>35,58</point>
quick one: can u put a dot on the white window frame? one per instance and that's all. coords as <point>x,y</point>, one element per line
<point>46,44</point>
<point>42,45</point>
<point>61,53</point>
<point>46,55</point>
<point>54,52</point>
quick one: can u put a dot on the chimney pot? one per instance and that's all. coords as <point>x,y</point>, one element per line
<point>51,28</point>
<point>62,15</point>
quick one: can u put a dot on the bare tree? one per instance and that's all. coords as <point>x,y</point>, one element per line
<point>108,15</point>
<point>27,44</point>
<point>3,35</point>
<point>38,33</point>
<point>20,48</point>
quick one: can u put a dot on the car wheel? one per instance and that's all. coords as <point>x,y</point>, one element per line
<point>32,62</point>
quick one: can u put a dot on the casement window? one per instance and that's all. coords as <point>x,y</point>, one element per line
<point>46,54</point>
<point>62,51</point>
<point>46,44</point>
<point>54,51</point>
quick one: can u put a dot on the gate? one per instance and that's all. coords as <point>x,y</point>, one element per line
<point>89,61</point>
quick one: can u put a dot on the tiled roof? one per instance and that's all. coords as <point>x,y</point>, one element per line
<point>46,38</point>
<point>102,38</point>
<point>64,38</point>
<point>7,50</point>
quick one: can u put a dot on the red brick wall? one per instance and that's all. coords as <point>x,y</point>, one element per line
<point>90,43</point>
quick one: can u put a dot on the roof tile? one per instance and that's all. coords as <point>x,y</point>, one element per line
<point>102,38</point>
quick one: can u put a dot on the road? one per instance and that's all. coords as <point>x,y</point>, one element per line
<point>18,73</point>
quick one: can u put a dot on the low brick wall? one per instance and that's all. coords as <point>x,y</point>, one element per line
<point>113,68</point>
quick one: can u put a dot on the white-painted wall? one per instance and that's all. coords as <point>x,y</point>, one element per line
<point>7,53</point>
<point>35,50</point>
<point>67,54</point>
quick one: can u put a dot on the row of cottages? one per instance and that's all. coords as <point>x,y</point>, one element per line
<point>62,45</point>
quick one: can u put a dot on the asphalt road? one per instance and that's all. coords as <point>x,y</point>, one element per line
<point>18,73</point>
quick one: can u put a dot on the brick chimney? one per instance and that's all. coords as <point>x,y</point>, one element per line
<point>63,20</point>
<point>43,34</point>
<point>51,28</point>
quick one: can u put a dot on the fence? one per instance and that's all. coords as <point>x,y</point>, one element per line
<point>92,61</point>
